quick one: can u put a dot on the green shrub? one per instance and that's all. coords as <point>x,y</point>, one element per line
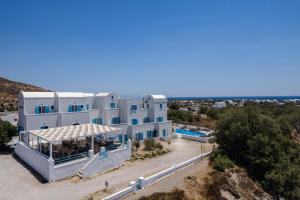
<point>222,162</point>
<point>7,132</point>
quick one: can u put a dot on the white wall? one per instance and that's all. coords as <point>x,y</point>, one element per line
<point>70,118</point>
<point>34,159</point>
<point>68,169</point>
<point>114,160</point>
<point>35,121</point>
<point>31,103</point>
<point>142,129</point>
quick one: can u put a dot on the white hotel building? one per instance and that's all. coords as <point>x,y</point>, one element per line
<point>138,118</point>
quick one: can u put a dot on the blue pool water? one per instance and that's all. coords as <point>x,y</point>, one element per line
<point>186,132</point>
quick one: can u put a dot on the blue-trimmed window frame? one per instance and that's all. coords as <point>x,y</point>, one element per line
<point>139,136</point>
<point>146,120</point>
<point>113,105</point>
<point>116,120</point>
<point>40,109</point>
<point>134,122</point>
<point>97,121</point>
<point>159,119</point>
<point>75,108</point>
<point>133,108</point>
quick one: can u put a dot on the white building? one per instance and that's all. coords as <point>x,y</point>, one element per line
<point>219,105</point>
<point>138,118</point>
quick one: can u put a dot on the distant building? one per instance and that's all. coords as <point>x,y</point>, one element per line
<point>219,105</point>
<point>184,109</point>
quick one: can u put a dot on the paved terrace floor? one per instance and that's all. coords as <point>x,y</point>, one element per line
<point>18,182</point>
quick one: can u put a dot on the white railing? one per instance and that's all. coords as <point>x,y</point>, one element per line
<point>153,178</point>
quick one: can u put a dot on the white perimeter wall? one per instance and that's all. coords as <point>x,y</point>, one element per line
<point>34,159</point>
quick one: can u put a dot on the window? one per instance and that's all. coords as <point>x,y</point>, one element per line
<point>134,122</point>
<point>112,105</point>
<point>87,106</point>
<point>76,123</point>
<point>150,134</point>
<point>43,109</point>
<point>159,119</point>
<point>155,133</point>
<point>161,106</point>
<point>139,136</point>
<point>133,107</point>
<point>97,121</point>
<point>75,108</point>
<point>44,127</point>
<point>115,120</point>
<point>146,120</point>
<point>165,133</point>
<point>147,105</point>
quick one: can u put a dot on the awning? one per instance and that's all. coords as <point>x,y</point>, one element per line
<point>73,132</point>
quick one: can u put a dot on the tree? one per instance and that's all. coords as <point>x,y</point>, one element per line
<point>7,132</point>
<point>259,139</point>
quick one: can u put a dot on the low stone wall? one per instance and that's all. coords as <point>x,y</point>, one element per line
<point>34,159</point>
<point>87,166</point>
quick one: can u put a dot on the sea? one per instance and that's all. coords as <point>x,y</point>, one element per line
<point>235,98</point>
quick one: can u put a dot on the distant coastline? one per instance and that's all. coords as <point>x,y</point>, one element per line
<point>248,98</point>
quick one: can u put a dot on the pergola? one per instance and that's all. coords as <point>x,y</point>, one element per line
<point>75,132</point>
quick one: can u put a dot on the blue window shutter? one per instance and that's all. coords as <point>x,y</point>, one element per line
<point>37,109</point>
<point>70,108</point>
<point>47,109</point>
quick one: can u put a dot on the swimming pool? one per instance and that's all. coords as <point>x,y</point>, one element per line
<point>192,133</point>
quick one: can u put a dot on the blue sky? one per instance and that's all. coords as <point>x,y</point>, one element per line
<point>178,48</point>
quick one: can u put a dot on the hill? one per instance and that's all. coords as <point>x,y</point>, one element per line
<point>9,91</point>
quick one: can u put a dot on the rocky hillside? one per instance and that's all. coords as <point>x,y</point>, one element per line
<point>9,91</point>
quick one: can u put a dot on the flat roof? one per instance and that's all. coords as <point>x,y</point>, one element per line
<point>59,134</point>
<point>37,94</point>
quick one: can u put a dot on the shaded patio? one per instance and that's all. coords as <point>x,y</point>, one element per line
<point>63,144</point>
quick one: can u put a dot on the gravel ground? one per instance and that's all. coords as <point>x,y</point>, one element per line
<point>18,182</point>
<point>176,180</point>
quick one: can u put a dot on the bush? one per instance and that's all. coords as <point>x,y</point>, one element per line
<point>221,163</point>
<point>175,194</point>
<point>151,145</point>
<point>7,132</point>
<point>137,145</point>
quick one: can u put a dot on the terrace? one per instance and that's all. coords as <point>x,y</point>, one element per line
<point>64,144</point>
